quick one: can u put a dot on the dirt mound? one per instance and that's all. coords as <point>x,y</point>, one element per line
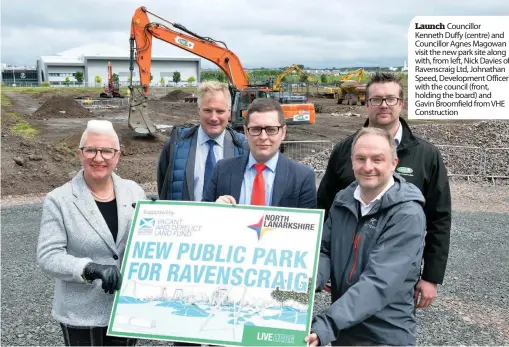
<point>176,95</point>
<point>59,106</point>
<point>130,143</point>
<point>29,166</point>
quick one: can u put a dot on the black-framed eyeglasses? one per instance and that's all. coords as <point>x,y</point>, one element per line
<point>270,130</point>
<point>106,152</point>
<point>390,101</point>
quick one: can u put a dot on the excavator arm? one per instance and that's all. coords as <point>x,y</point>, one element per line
<point>277,83</point>
<point>359,73</point>
<point>142,33</point>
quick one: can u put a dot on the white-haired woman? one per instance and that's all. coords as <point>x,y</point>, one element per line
<point>84,228</point>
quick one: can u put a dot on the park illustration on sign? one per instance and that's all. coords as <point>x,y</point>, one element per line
<point>218,274</point>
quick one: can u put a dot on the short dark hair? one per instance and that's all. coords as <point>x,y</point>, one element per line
<point>385,77</point>
<point>266,105</point>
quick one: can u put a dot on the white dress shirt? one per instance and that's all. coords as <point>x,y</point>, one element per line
<point>365,208</point>
<point>202,150</point>
<point>269,173</point>
<point>398,136</point>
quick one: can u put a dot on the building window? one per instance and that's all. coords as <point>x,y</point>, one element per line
<point>61,74</point>
<point>126,74</point>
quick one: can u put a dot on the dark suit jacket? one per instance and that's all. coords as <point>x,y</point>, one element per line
<point>294,183</point>
<point>164,165</point>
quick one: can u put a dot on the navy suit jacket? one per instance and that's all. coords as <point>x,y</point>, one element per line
<point>294,183</point>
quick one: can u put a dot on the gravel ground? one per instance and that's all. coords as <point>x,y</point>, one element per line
<point>476,149</point>
<point>468,311</point>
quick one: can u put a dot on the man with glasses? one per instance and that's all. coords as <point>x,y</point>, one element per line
<point>264,176</point>
<point>420,163</point>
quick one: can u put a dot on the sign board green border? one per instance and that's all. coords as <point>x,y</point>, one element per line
<point>249,332</point>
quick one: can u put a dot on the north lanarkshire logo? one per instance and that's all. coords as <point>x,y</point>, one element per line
<point>270,222</point>
<point>259,228</point>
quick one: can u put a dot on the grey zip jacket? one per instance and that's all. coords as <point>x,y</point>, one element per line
<point>373,263</point>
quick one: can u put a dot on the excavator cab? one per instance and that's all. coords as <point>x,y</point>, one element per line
<point>241,99</point>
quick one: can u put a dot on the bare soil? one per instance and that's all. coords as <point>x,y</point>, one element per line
<point>59,106</point>
<point>175,95</point>
<point>39,164</point>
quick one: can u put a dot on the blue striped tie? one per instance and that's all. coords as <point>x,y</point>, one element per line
<point>209,163</point>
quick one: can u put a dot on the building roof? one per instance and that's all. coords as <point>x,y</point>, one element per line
<point>78,55</point>
<point>95,49</point>
<point>56,59</point>
<point>9,67</point>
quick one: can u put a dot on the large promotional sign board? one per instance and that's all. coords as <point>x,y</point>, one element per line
<point>218,274</point>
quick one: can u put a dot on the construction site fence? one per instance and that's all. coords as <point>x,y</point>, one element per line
<point>298,88</point>
<point>62,84</point>
<point>103,103</point>
<point>468,162</point>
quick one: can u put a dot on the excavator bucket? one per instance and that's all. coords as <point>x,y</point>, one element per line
<point>139,120</point>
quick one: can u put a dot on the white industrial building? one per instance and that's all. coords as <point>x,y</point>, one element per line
<point>92,61</point>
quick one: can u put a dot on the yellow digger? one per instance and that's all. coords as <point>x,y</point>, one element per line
<point>332,92</point>
<point>351,91</point>
<point>276,86</point>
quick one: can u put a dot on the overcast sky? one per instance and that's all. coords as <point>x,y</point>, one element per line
<point>319,33</point>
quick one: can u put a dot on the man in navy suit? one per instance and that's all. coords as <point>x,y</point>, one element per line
<point>263,176</point>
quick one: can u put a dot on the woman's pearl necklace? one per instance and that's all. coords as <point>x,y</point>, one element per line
<point>98,197</point>
<point>106,198</point>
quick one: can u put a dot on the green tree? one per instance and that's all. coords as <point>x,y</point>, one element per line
<point>282,295</point>
<point>98,79</point>
<point>162,81</point>
<point>67,80</point>
<point>191,79</point>
<point>323,78</point>
<point>221,77</point>
<point>151,77</point>
<point>207,75</point>
<point>176,77</point>
<point>78,75</point>
<point>115,77</point>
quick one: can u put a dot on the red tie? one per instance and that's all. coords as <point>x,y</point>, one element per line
<point>258,194</point>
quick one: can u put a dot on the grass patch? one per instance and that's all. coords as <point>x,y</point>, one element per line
<point>19,126</point>
<point>5,100</point>
<point>24,129</point>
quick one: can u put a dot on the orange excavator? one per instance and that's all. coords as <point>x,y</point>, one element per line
<point>142,33</point>
<point>112,90</point>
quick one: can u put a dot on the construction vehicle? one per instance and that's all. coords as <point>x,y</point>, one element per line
<point>351,91</point>
<point>142,33</point>
<point>112,89</point>
<point>332,92</point>
<point>276,86</point>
